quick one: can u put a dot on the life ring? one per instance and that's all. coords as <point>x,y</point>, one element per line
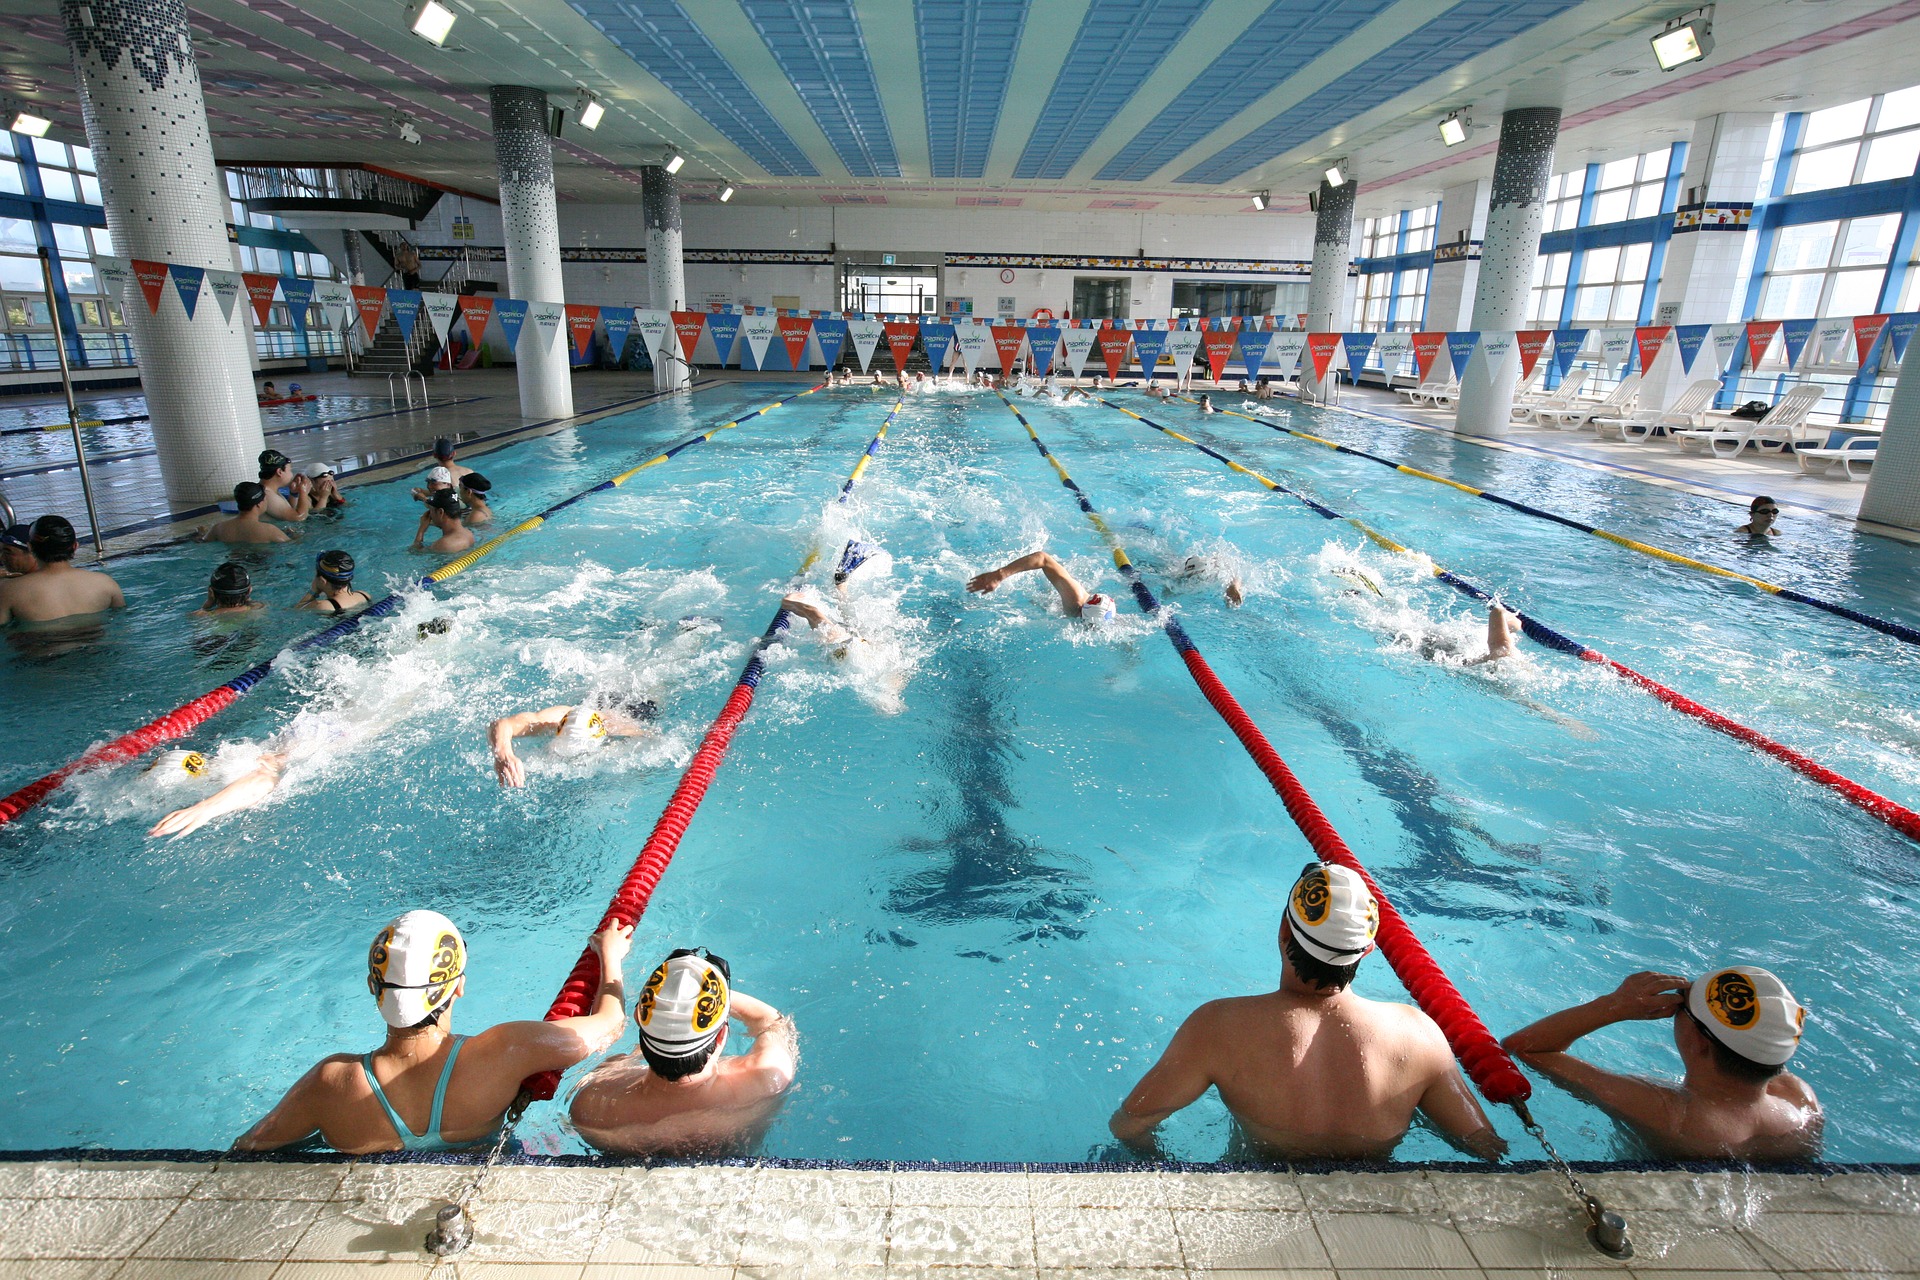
<point>1042,313</point>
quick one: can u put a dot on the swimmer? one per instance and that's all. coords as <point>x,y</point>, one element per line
<point>268,391</point>
<point>444,453</point>
<point>443,513</point>
<point>1205,568</point>
<point>1502,623</point>
<point>323,487</point>
<point>230,591</point>
<point>1761,515</point>
<point>288,496</point>
<point>179,764</point>
<point>474,489</point>
<point>250,525</point>
<point>307,735</point>
<point>425,1088</point>
<point>1735,1030</point>
<point>1363,580</point>
<point>830,629</point>
<point>439,480</point>
<point>1206,404</point>
<point>16,553</point>
<point>57,590</point>
<point>680,1095</point>
<point>576,730</point>
<point>1090,606</point>
<point>1311,1070</point>
<point>332,588</point>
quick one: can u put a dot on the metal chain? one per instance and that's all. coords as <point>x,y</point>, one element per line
<point>1573,1180</point>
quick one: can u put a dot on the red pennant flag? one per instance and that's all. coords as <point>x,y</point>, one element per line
<point>1759,338</point>
<point>476,311</point>
<point>1650,338</point>
<point>1006,344</point>
<point>793,332</point>
<point>1321,347</point>
<point>900,336</point>
<point>1205,323</point>
<point>1866,332</point>
<point>260,288</point>
<point>580,322</point>
<point>1113,349</point>
<point>153,278</point>
<point>371,301</point>
<point>1216,344</point>
<point>1531,343</point>
<point>686,327</point>
<point>1426,349</point>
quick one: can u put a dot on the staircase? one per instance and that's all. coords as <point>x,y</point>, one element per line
<point>392,355</point>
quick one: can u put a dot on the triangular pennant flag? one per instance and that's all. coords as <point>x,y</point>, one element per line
<point>1043,341</point>
<point>1725,340</point>
<point>226,290</point>
<point>1566,348</point>
<point>1079,345</point>
<point>937,340</point>
<point>335,301</point>
<point>900,336</point>
<point>759,329</point>
<point>406,310</point>
<point>657,331</point>
<point>1253,344</point>
<point>371,302</point>
<point>724,328</point>
<point>440,309</point>
<point>476,311</point>
<point>1900,331</point>
<point>687,327</point>
<point>1494,346</point>
<point>153,278</point>
<point>115,273</point>
<point>619,322</point>
<point>794,332</point>
<point>1147,346</point>
<point>299,295</point>
<point>582,320</point>
<point>1007,341</point>
<point>1616,348</point>
<point>260,290</point>
<point>511,315</point>
<point>1320,351</point>
<point>1113,343</point>
<point>1426,349</point>
<point>1531,343</point>
<point>1795,334</point>
<point>974,340</point>
<point>1393,348</point>
<point>1460,345</point>
<point>547,319</point>
<point>1830,331</point>
<point>830,332</point>
<point>1866,332</point>
<point>866,335</point>
<point>1690,338</point>
<point>1359,346</point>
<point>1648,339</point>
<point>1216,345</point>
<point>1285,352</point>
<point>1181,345</point>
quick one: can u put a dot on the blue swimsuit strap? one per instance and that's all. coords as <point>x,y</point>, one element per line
<point>407,1136</point>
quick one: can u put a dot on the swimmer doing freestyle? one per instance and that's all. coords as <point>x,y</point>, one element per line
<point>576,730</point>
<point>1088,606</point>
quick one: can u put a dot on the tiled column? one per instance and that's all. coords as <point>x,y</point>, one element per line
<point>1329,300</point>
<point>666,274</point>
<point>1893,486</point>
<point>147,124</point>
<point>1515,207</point>
<point>1456,256</point>
<point>524,151</point>
<point>1705,272</point>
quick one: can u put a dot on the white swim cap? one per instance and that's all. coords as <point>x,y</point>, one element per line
<point>179,762</point>
<point>414,965</point>
<point>1333,913</point>
<point>1749,1011</point>
<point>317,469</point>
<point>582,728</point>
<point>684,1004</point>
<point>440,475</point>
<point>1099,608</point>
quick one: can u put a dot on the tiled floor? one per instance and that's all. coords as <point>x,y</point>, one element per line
<point>332,1221</point>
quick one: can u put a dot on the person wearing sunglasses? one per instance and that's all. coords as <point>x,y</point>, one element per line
<point>1761,516</point>
<point>425,1088</point>
<point>679,1095</point>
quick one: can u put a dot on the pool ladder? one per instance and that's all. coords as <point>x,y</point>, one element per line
<point>406,385</point>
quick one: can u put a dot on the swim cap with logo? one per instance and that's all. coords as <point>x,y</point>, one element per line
<point>440,475</point>
<point>249,494</point>
<point>1099,608</point>
<point>334,566</point>
<point>271,460</point>
<point>684,1004</point>
<point>443,500</point>
<point>15,536</point>
<point>1333,913</point>
<point>414,965</point>
<point>580,729</point>
<point>1749,1011</point>
<point>179,760</point>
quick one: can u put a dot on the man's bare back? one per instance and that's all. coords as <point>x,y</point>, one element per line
<point>58,591</point>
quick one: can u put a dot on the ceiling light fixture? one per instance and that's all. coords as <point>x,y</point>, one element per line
<point>589,110</point>
<point>1259,199</point>
<point>1684,40</point>
<point>25,121</point>
<point>431,21</point>
<point>408,131</point>
<point>1453,130</point>
<point>1336,174</point>
<point>726,195</point>
<point>674,165</point>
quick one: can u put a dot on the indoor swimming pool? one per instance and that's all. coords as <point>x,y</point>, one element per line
<point>991,858</point>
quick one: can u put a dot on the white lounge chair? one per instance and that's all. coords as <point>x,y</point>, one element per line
<point>1558,398</point>
<point>1687,410</point>
<point>1434,391</point>
<point>1619,402</point>
<point>1785,425</point>
<point>1854,451</point>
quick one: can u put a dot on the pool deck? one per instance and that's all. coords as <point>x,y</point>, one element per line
<point>332,1220</point>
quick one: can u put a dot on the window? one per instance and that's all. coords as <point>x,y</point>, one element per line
<point>1380,237</point>
<point>1564,192</point>
<point>1419,230</point>
<point>1549,289</point>
<point>1370,308</point>
<point>1871,140</point>
<point>1410,307</point>
<point>1828,268</point>
<point>1611,283</point>
<point>1633,187</point>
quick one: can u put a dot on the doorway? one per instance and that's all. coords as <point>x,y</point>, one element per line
<point>889,291</point>
<point>1102,297</point>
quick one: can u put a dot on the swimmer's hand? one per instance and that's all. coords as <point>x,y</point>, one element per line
<point>507,767</point>
<point>243,793</point>
<point>1235,595</point>
<point>984,583</point>
<point>1647,996</point>
<point>612,942</point>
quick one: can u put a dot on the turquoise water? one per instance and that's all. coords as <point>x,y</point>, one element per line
<point>990,863</point>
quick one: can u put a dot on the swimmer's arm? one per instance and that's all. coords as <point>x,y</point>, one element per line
<point>775,1052</point>
<point>1456,1113</point>
<point>554,1046</point>
<point>296,1117</point>
<point>420,534</point>
<point>242,793</point>
<point>1640,996</point>
<point>500,735</point>
<point>1647,1105</point>
<point>1176,1081</point>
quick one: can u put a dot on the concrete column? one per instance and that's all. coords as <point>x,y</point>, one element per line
<point>1893,485</point>
<point>666,272</point>
<point>1515,207</point>
<point>1329,299</point>
<point>1452,283</point>
<point>523,150</point>
<point>147,124</point>
<point>356,259</point>
<point>1704,278</point>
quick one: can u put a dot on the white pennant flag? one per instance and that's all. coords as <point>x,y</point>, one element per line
<point>226,289</point>
<point>1615,345</point>
<point>1828,331</point>
<point>1181,344</point>
<point>866,335</point>
<point>1494,346</point>
<point>336,302</point>
<point>1079,344</point>
<point>758,329</point>
<point>116,273</point>
<point>656,327</point>
<point>974,341</point>
<point>1725,340</point>
<point>440,309</point>
<point>1284,352</point>
<point>1393,348</point>
<point>547,318</point>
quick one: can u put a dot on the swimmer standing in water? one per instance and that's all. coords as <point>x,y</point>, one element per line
<point>1088,606</point>
<point>576,730</point>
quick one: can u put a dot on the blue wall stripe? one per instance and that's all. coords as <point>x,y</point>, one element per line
<point>820,46</point>
<point>1119,45</point>
<point>663,40</point>
<point>967,49</point>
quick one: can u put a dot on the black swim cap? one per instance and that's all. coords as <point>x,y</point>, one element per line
<point>444,500</point>
<point>443,447</point>
<point>231,583</point>
<point>334,566</point>
<point>475,481</point>
<point>249,494</point>
<point>52,539</point>
<point>640,709</point>
<point>271,460</point>
<point>16,537</point>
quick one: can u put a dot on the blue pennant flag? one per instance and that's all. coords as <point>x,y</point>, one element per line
<point>1043,340</point>
<point>724,328</point>
<point>1900,327</point>
<point>1147,345</point>
<point>936,338</point>
<point>511,313</point>
<point>299,295</point>
<point>831,333</point>
<point>188,281</point>
<point>406,310</point>
<point>1795,334</point>
<point>1566,345</point>
<point>1460,346</point>
<point>1359,346</point>
<point>1690,336</point>
<point>619,322</point>
<point>1253,346</point>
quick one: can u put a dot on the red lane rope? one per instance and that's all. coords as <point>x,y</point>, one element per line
<point>180,720</point>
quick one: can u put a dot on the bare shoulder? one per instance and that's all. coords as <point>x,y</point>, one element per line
<point>1418,1031</point>
<point>335,1073</point>
<point>1793,1090</point>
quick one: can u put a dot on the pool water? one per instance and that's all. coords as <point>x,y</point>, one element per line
<point>992,860</point>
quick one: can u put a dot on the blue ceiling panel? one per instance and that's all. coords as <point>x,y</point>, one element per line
<point>658,35</point>
<point>1457,35</point>
<point>1274,47</point>
<point>819,45</point>
<point>967,49</point>
<point>1120,44</point>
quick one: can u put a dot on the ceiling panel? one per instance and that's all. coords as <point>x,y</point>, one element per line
<point>820,47</point>
<point>967,48</point>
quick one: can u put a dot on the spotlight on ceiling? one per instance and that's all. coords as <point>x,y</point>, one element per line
<point>1259,199</point>
<point>674,165</point>
<point>1684,40</point>
<point>1336,175</point>
<point>431,21</point>
<point>408,131</point>
<point>588,111</point>
<point>25,121</point>
<point>726,195</point>
<point>1453,130</point>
